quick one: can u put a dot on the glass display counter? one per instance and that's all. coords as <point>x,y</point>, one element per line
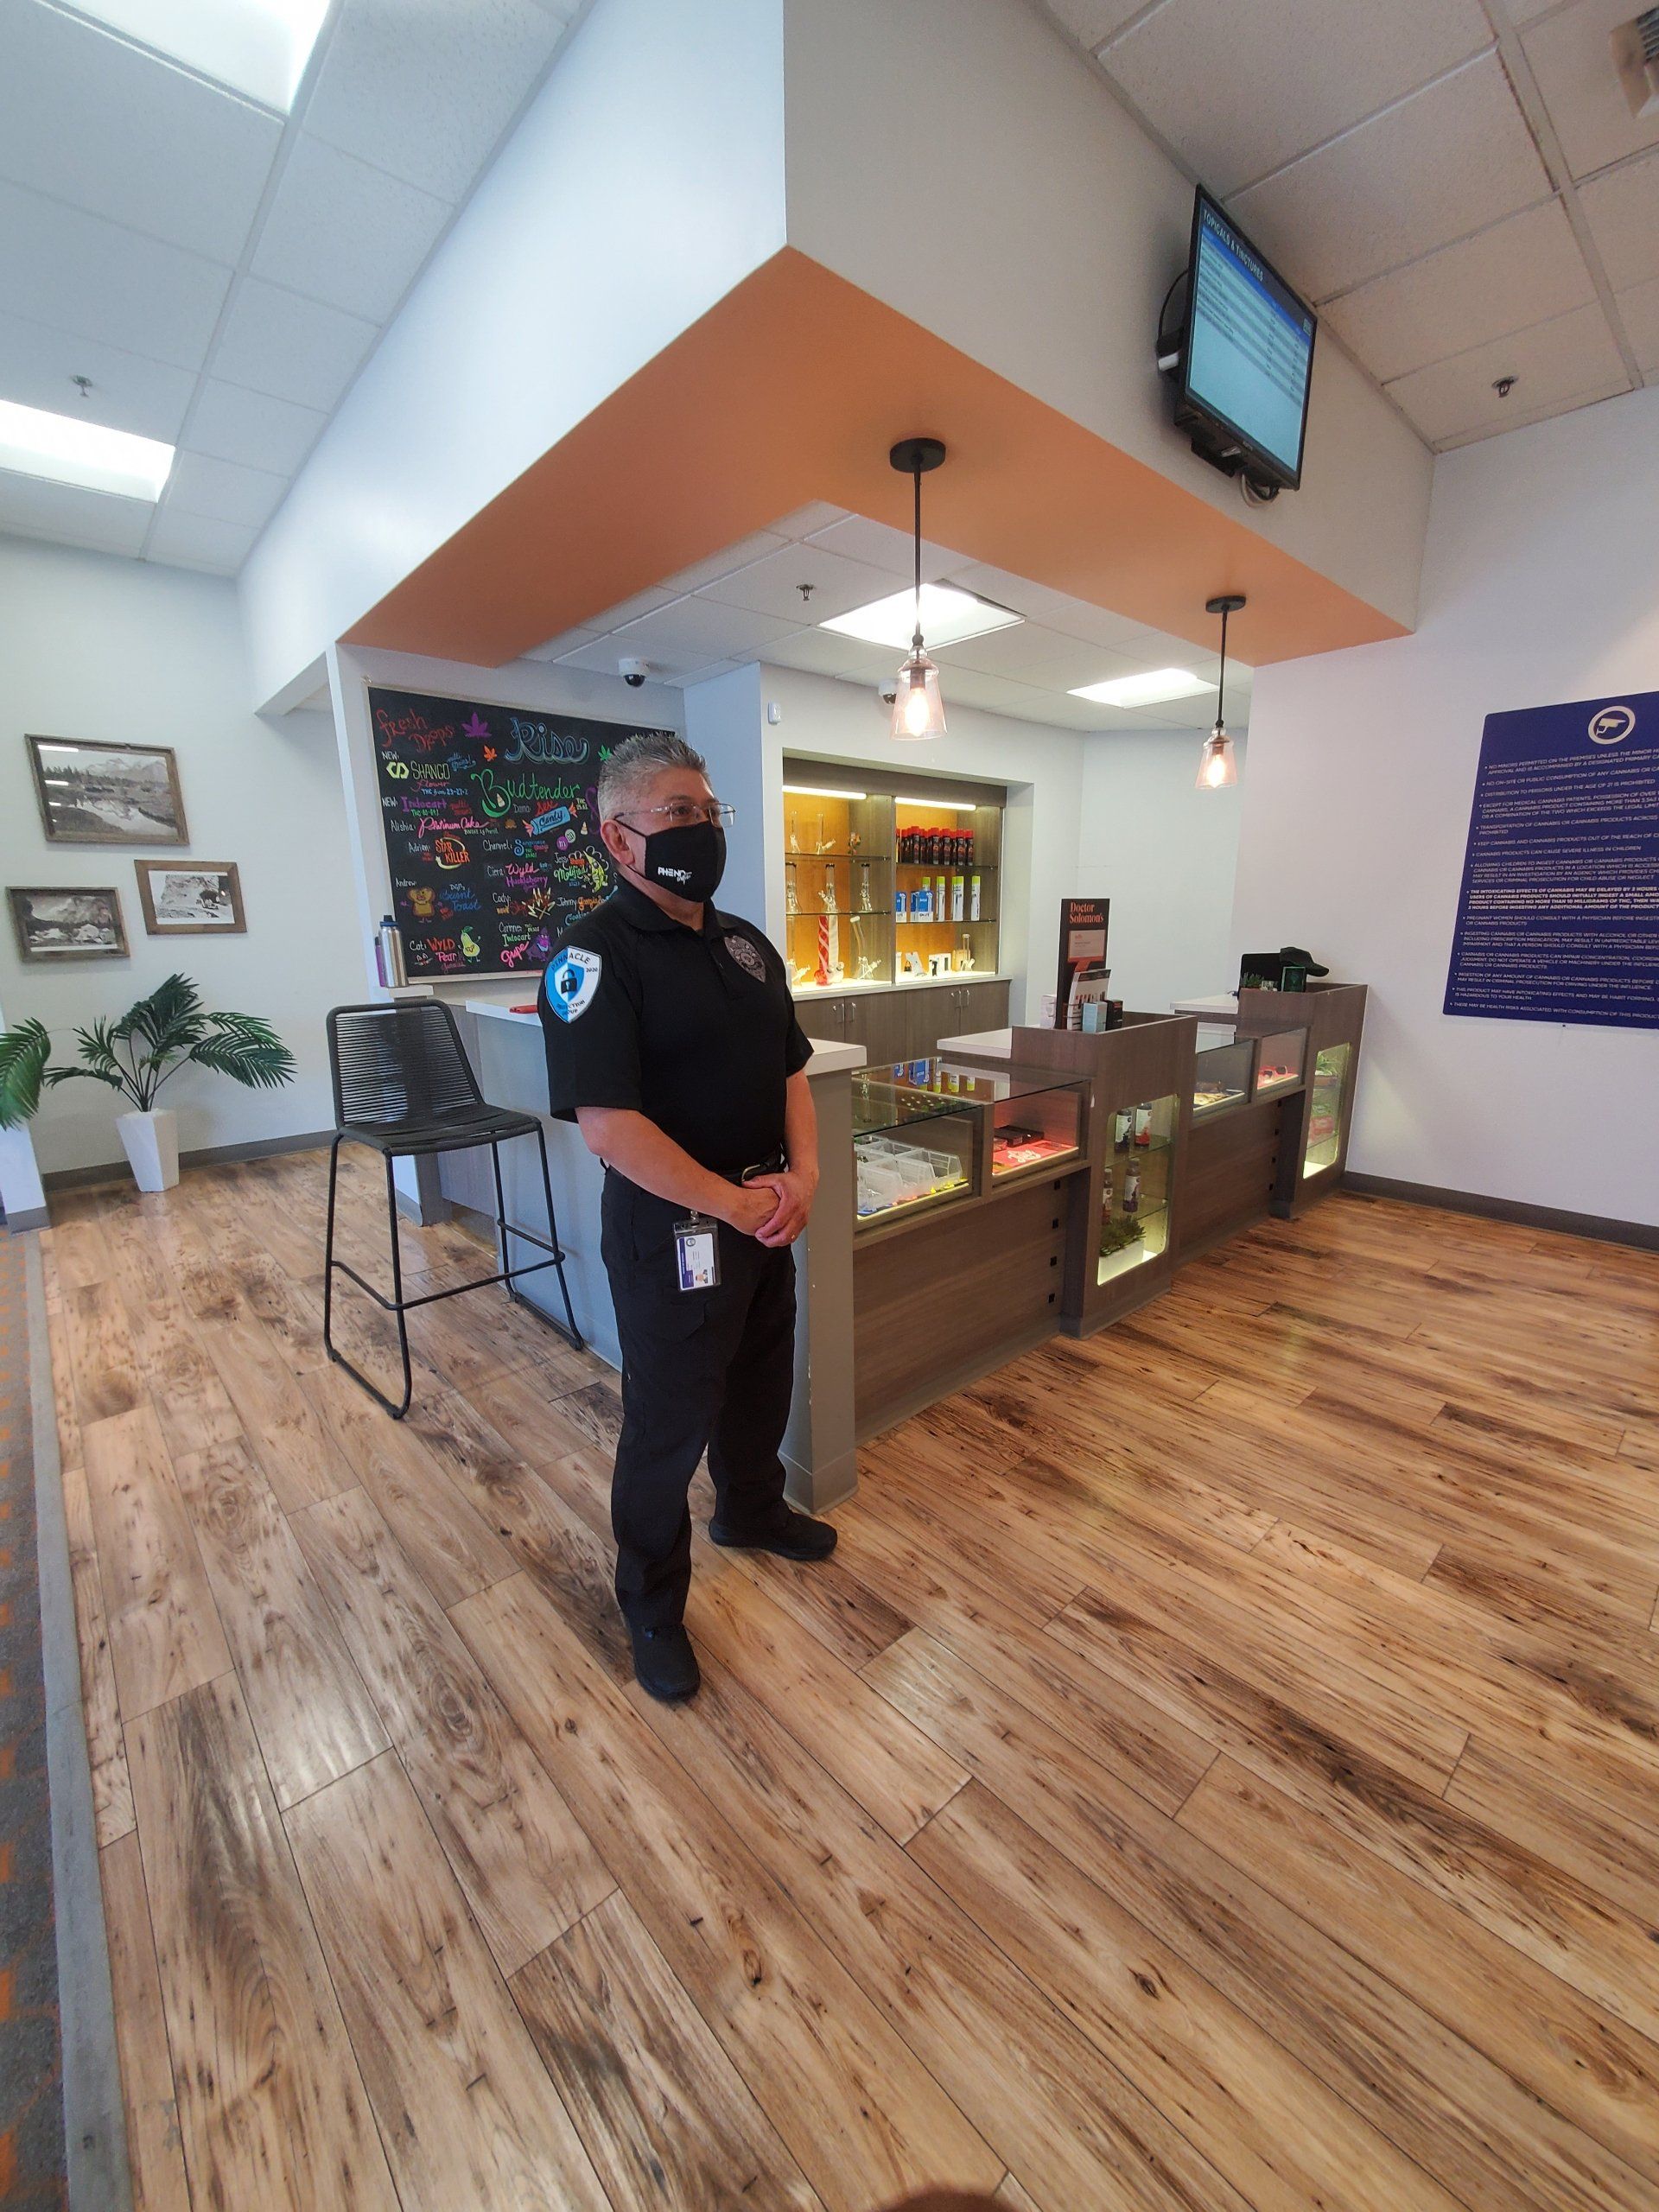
<point>911,1147</point>
<point>1136,1194</point>
<point>1325,1108</point>
<point>1279,1061</point>
<point>1221,1071</point>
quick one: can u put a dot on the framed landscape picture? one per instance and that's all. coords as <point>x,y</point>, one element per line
<point>67,924</point>
<point>191,898</point>
<point>95,794</point>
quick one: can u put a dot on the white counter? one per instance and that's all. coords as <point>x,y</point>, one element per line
<point>983,1044</point>
<point>827,1056</point>
<point>1223,1007</point>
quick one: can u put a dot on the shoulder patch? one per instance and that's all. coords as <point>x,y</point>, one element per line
<point>745,955</point>
<point>572,980</point>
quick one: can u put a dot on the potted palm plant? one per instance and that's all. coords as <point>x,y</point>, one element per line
<point>136,1055</point>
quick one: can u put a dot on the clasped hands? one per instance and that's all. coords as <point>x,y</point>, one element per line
<point>773,1208</point>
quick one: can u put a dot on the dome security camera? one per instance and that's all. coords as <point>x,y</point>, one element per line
<point>633,672</point>
<point>887,690</point>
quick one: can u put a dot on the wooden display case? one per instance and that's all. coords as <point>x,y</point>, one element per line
<point>1314,1150</point>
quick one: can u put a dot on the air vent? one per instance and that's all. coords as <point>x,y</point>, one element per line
<point>1635,54</point>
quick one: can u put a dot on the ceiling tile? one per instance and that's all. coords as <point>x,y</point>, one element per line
<point>293,348</point>
<point>567,641</point>
<point>1088,22</point>
<point>628,610</point>
<point>128,393</point>
<point>817,514</point>
<point>1521,270</point>
<point>1098,626</point>
<point>1571,55</point>
<point>1242,90</point>
<point>827,652</point>
<point>1523,11</point>
<point>1612,388</point>
<point>200,542</point>
<point>34,508</point>
<point>233,424</point>
<point>425,91</point>
<point>884,548</point>
<point>119,132</point>
<point>1035,601</point>
<point>770,587</point>
<point>1445,162</point>
<point>1639,310</point>
<point>994,694</point>
<point>1033,654</point>
<point>343,232</point>
<point>97,280</point>
<point>742,554</point>
<point>701,625</point>
<point>224,491</point>
<point>1622,212</point>
<point>1553,361</point>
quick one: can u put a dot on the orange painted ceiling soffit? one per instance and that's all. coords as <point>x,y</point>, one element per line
<point>791,389</point>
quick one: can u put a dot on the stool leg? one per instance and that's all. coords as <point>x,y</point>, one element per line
<point>553,1239</point>
<point>397,1412</point>
<point>503,1261</point>
<point>328,1254</point>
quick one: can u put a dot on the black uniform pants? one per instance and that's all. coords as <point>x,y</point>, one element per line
<point>701,1369</point>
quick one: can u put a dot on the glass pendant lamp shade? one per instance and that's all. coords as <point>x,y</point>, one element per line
<point>1217,765</point>
<point>918,708</point>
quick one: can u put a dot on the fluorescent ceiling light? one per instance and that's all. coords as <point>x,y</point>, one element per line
<point>67,449</point>
<point>820,791</point>
<point>950,617</point>
<point>1147,689</point>
<point>948,805</point>
<point>256,46</point>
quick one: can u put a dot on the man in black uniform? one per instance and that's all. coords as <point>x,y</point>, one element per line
<point>672,1041</point>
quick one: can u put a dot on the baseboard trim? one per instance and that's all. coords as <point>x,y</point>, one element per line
<point>36,1218</point>
<point>209,1155</point>
<point>1641,1234</point>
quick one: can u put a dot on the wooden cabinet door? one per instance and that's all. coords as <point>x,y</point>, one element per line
<point>880,1022</point>
<point>985,1006</point>
<point>822,1018</point>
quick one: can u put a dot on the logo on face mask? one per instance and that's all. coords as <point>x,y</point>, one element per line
<point>675,875</point>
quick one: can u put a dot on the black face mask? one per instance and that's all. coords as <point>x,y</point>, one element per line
<point>688,861</point>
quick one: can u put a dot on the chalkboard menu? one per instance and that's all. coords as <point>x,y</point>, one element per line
<point>1558,917</point>
<point>491,822</point>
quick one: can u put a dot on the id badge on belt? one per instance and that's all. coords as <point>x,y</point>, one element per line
<point>696,1252</point>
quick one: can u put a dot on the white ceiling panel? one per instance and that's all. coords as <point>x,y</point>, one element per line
<point>201,542</point>
<point>233,424</point>
<point>1437,165</point>
<point>817,514</point>
<point>738,556</point>
<point>1639,310</point>
<point>1245,89</point>
<point>703,628</point>
<point>567,641</point>
<point>1034,654</point>
<point>827,652</point>
<point>994,694</point>
<point>1546,411</point>
<point>95,122</point>
<point>425,91</point>
<point>1096,625</point>
<point>1622,212</point>
<point>1571,354</point>
<point>886,549</point>
<point>129,392</point>
<point>291,347</point>
<point>346,234</point>
<point>1571,56</point>
<point>771,586</point>
<point>33,508</point>
<point>224,491</point>
<point>1034,602</point>
<point>1521,270</point>
<point>1090,22</point>
<point>95,279</point>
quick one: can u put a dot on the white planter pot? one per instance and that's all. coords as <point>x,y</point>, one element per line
<point>152,1145</point>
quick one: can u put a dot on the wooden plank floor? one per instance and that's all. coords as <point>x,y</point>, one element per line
<point>1219,1769</point>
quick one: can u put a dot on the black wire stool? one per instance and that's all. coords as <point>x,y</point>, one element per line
<point>404,1087</point>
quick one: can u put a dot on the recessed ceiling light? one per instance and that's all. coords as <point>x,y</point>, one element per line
<point>256,46</point>
<point>820,791</point>
<point>949,616</point>
<point>1150,688</point>
<point>67,449</point>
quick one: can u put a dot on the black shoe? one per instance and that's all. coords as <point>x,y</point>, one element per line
<point>799,1536</point>
<point>664,1665</point>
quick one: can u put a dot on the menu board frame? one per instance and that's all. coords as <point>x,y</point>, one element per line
<point>489,814</point>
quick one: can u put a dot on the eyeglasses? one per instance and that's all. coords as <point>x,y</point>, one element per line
<point>682,813</point>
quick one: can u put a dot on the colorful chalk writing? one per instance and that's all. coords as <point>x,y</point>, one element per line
<point>491,827</point>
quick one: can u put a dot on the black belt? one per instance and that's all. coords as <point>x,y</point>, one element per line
<point>775,1163</point>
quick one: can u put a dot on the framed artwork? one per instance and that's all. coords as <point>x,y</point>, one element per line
<point>95,794</point>
<point>191,898</point>
<point>67,924</point>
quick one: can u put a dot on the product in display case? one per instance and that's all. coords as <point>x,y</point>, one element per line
<point>912,1146</point>
<point>1134,1195</point>
<point>1037,1124</point>
<point>1221,1074</point>
<point>1279,1060</point>
<point>1325,1108</point>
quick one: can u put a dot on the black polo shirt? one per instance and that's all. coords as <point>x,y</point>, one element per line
<point>694,1029</point>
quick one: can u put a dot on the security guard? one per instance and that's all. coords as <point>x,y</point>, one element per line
<point>672,1041</point>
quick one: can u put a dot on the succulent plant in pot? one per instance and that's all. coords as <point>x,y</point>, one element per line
<point>135,1055</point>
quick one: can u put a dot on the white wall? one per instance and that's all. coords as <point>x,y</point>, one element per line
<point>100,647</point>
<point>1164,853</point>
<point>1541,585</point>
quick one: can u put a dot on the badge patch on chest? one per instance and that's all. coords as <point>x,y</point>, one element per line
<point>572,980</point>
<point>747,955</point>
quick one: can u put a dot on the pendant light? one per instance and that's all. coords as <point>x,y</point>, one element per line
<point>918,709</point>
<point>1217,765</point>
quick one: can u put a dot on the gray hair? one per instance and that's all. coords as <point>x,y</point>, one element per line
<point>637,759</point>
